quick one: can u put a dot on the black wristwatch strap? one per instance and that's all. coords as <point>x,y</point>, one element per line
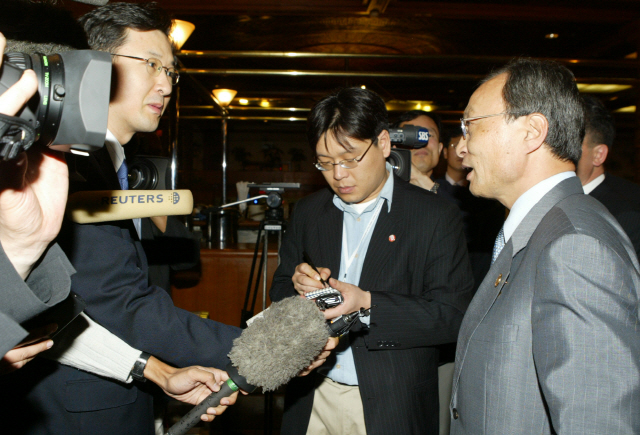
<point>137,372</point>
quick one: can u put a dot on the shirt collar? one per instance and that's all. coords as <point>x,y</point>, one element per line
<point>385,193</point>
<point>527,200</point>
<point>115,149</point>
<point>588,188</point>
<point>452,181</point>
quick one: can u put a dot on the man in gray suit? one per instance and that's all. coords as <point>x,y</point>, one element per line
<point>551,340</point>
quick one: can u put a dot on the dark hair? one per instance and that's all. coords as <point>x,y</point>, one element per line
<point>348,113</point>
<point>548,88</point>
<point>106,26</point>
<point>599,122</point>
<point>413,114</point>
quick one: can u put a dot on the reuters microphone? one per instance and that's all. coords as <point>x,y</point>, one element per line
<point>115,205</point>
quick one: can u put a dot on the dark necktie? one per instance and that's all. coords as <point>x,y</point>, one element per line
<point>123,175</point>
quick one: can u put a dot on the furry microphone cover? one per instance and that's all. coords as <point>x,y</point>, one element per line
<point>281,343</point>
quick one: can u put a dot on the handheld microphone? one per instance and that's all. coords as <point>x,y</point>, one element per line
<point>409,136</point>
<point>270,352</point>
<point>114,205</point>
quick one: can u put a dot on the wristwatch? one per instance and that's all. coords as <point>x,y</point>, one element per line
<point>137,372</point>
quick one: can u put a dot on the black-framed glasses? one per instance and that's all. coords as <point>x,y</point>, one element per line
<point>155,67</point>
<point>347,163</point>
<point>464,122</point>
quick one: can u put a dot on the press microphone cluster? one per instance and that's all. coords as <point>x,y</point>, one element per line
<point>114,205</point>
<point>271,351</point>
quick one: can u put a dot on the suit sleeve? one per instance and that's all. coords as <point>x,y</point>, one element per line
<point>585,337</point>
<point>48,284</point>
<point>112,280</point>
<point>432,315</point>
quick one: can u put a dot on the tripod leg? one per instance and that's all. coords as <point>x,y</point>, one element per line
<point>246,315</point>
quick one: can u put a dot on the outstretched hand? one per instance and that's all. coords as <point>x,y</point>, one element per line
<point>33,189</point>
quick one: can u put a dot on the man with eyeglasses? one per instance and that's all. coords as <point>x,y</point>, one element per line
<point>550,343</point>
<point>388,246</point>
<point>111,267</point>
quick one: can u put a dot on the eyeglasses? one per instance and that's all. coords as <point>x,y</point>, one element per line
<point>347,164</point>
<point>155,67</point>
<point>464,122</point>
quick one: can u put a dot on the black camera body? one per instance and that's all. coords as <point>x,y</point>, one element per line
<point>150,173</point>
<point>409,136</point>
<point>400,160</point>
<point>69,112</point>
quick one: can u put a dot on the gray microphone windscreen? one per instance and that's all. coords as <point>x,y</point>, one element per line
<point>280,344</point>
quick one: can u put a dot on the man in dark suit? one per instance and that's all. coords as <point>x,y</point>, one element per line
<point>621,197</point>
<point>109,259</point>
<point>550,343</point>
<point>389,246</point>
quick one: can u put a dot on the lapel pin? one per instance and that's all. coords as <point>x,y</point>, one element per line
<point>392,238</point>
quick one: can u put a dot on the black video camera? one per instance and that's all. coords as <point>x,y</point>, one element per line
<point>69,111</point>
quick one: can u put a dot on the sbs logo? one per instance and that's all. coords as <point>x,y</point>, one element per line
<point>423,136</point>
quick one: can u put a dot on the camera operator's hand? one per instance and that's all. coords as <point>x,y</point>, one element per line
<point>419,179</point>
<point>33,188</point>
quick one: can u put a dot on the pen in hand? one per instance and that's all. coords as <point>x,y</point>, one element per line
<point>307,260</point>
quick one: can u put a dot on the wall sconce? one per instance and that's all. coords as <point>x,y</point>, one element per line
<point>224,96</point>
<point>180,32</point>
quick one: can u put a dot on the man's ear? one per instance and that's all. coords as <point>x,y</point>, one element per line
<point>440,148</point>
<point>384,143</point>
<point>445,153</point>
<point>536,126</point>
<point>600,153</point>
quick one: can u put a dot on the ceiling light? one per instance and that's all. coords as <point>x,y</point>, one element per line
<point>601,88</point>
<point>264,103</point>
<point>243,101</point>
<point>363,87</point>
<point>551,36</point>
<point>224,96</point>
<point>628,109</point>
<point>180,32</point>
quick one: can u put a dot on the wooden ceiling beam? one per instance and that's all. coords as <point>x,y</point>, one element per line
<point>407,8</point>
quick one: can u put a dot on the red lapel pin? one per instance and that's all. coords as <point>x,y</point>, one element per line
<point>392,238</point>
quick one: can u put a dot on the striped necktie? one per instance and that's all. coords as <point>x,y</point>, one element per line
<point>497,247</point>
<point>123,175</point>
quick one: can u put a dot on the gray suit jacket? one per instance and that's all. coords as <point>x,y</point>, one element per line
<point>48,283</point>
<point>551,340</point>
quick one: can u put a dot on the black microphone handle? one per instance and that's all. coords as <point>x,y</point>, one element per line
<point>193,417</point>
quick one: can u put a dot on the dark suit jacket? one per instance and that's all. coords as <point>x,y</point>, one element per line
<point>112,278</point>
<point>420,286</point>
<point>622,199</point>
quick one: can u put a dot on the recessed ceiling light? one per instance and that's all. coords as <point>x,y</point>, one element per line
<point>602,88</point>
<point>363,87</point>
<point>551,36</point>
<point>264,103</point>
<point>243,101</point>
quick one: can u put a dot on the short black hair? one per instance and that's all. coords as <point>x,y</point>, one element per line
<point>599,122</point>
<point>413,114</point>
<point>347,113</point>
<point>106,26</point>
<point>548,88</point>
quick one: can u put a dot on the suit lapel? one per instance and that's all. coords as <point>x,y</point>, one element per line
<point>381,249</point>
<point>329,237</point>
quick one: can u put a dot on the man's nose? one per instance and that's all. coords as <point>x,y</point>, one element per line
<point>163,83</point>
<point>461,148</point>
<point>339,172</point>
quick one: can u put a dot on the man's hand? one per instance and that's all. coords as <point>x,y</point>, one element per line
<point>33,189</point>
<point>419,179</point>
<point>305,279</point>
<point>190,384</point>
<point>354,299</point>
<point>320,359</point>
<point>36,342</point>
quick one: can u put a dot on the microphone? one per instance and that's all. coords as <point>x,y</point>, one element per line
<point>272,350</point>
<point>409,136</point>
<point>114,205</point>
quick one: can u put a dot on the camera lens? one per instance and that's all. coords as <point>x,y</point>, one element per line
<point>142,175</point>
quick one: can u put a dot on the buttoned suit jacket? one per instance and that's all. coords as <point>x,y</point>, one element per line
<point>622,199</point>
<point>550,342</point>
<point>420,284</point>
<point>48,398</point>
